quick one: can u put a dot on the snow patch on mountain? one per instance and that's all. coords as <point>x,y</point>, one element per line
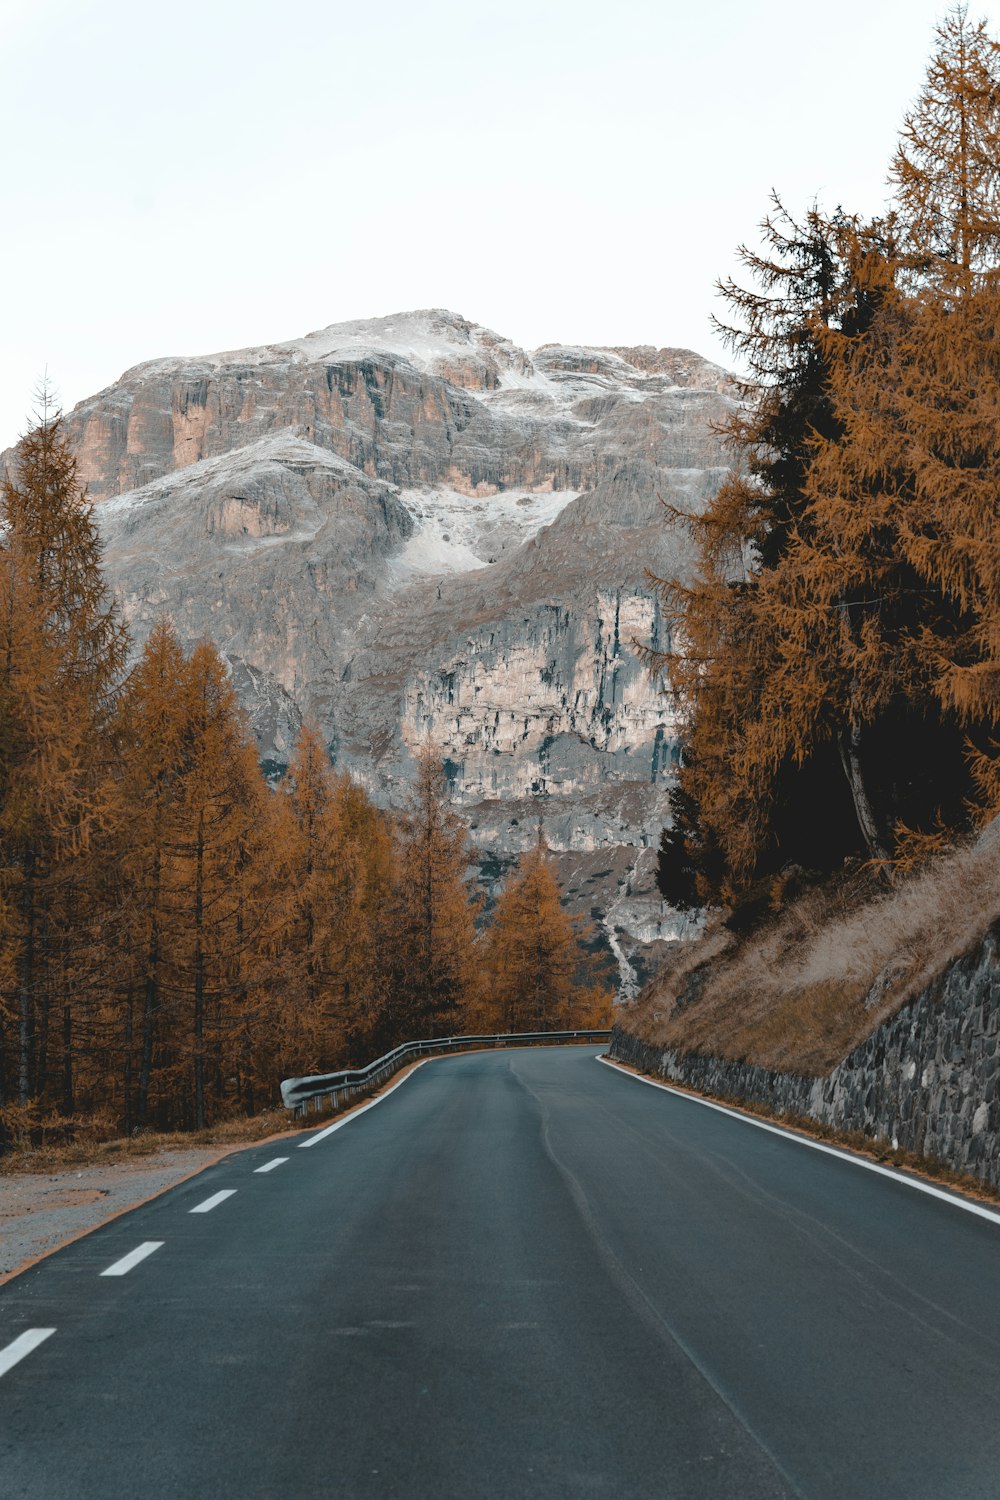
<point>457,533</point>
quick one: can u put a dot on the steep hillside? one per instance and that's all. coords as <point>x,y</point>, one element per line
<point>815,982</point>
<point>872,1014</point>
<point>422,534</point>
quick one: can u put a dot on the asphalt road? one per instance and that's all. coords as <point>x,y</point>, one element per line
<point>521,1274</point>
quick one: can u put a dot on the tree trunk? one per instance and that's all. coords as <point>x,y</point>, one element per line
<point>25,984</point>
<point>42,1039</point>
<point>68,1096</point>
<point>199,982</point>
<point>65,959</point>
<point>849,745</point>
<point>150,998</point>
<point>3,1092</point>
<point>127,1070</point>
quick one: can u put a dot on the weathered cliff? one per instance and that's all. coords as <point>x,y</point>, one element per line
<point>416,399</point>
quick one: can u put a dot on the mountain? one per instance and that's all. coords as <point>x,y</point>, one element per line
<point>422,534</point>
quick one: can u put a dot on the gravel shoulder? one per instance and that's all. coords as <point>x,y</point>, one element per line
<point>39,1211</point>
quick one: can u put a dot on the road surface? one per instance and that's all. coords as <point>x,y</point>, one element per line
<point>521,1274</point>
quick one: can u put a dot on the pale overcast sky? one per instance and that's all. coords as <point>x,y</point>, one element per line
<point>179,179</point>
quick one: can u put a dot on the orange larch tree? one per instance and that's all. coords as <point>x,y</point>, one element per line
<point>62,655</point>
<point>847,608</point>
<point>434,975</point>
<point>539,975</point>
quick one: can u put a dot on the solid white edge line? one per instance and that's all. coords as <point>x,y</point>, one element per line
<point>213,1202</point>
<point>22,1346</point>
<point>314,1140</point>
<point>123,1266</point>
<point>789,1134</point>
<point>269,1166</point>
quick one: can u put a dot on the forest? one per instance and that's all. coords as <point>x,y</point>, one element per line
<point>177,935</point>
<point>835,658</point>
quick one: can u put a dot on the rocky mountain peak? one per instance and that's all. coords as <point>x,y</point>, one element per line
<point>432,340</point>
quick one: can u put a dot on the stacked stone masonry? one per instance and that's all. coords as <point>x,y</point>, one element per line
<point>927,1080</point>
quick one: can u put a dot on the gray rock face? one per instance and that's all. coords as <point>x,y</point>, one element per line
<point>423,535</point>
<point>415,399</point>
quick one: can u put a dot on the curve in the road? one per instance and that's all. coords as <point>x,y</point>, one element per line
<point>521,1274</point>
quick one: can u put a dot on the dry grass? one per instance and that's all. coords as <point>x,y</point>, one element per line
<point>803,991</point>
<point>90,1153</point>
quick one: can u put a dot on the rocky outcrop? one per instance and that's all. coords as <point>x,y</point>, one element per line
<point>421,534</point>
<point>928,1081</point>
<point>522,713</point>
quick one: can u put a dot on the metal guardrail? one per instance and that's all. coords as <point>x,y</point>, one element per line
<point>305,1094</point>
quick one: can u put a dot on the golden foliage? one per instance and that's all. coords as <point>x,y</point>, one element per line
<point>176,936</point>
<point>435,973</point>
<point>538,975</point>
<point>848,588</point>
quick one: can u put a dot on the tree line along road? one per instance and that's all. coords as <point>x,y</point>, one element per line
<point>518,1274</point>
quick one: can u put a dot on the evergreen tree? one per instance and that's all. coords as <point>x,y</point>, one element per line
<point>433,916</point>
<point>365,918</point>
<point>335,977</point>
<point>946,169</point>
<point>847,608</point>
<point>205,890</point>
<point>216,892</point>
<point>906,503</point>
<point>151,731</point>
<point>539,975</point>
<point>889,613</point>
<point>738,813</point>
<point>62,650</point>
<point>310,942</point>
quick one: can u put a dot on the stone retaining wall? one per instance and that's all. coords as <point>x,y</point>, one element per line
<point>927,1080</point>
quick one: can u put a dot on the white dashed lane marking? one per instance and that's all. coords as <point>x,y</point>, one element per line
<point>123,1266</point>
<point>15,1352</point>
<point>269,1166</point>
<point>213,1202</point>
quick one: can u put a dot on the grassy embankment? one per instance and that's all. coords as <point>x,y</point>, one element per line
<point>807,986</point>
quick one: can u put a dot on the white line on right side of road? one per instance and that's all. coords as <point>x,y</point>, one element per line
<point>804,1140</point>
<point>314,1140</point>
<point>269,1166</point>
<point>123,1266</point>
<point>213,1202</point>
<point>15,1352</point>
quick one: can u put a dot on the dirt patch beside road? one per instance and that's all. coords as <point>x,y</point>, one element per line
<point>39,1211</point>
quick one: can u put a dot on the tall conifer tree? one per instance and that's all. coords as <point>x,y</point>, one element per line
<point>61,658</point>
<point>310,967</point>
<point>740,807</point>
<point>946,169</point>
<point>865,617</point>
<point>152,728</point>
<point>539,976</point>
<point>434,938</point>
